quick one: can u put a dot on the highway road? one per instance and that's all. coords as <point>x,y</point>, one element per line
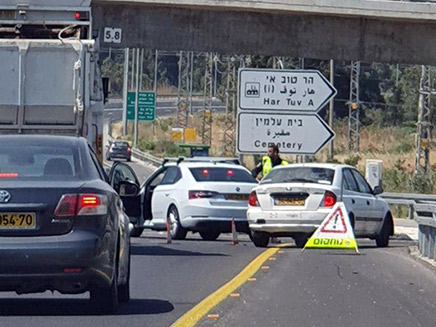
<point>379,287</point>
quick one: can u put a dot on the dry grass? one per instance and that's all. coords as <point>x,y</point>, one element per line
<point>388,143</point>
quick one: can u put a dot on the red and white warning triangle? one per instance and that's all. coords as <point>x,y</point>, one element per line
<point>335,232</point>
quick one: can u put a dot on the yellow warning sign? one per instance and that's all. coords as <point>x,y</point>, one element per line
<point>335,232</point>
<point>177,135</point>
<point>190,135</point>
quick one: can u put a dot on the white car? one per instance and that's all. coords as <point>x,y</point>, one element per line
<point>197,196</point>
<point>293,201</point>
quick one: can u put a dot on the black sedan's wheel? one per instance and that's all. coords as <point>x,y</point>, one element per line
<point>136,231</point>
<point>124,289</point>
<point>176,230</point>
<point>210,235</point>
<point>382,240</point>
<point>260,239</point>
<point>105,298</point>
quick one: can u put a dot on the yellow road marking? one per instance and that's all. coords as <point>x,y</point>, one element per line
<point>194,315</point>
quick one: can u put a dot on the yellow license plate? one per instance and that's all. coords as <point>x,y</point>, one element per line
<point>290,202</point>
<point>238,197</point>
<point>17,220</point>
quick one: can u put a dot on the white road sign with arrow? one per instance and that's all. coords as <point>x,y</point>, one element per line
<point>271,89</point>
<point>294,133</point>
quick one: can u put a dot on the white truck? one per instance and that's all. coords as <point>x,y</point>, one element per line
<point>50,79</point>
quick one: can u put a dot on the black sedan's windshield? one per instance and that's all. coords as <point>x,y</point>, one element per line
<point>300,175</point>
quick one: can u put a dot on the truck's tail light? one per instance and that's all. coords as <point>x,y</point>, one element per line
<point>201,194</point>
<point>81,15</point>
<point>129,149</point>
<point>252,200</point>
<point>329,199</point>
<point>81,205</point>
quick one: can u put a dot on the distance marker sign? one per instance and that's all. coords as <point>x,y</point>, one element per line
<point>293,133</point>
<point>276,90</point>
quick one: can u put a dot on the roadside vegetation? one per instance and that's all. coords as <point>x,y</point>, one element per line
<point>389,101</point>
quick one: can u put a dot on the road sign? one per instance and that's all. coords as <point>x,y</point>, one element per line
<point>272,89</point>
<point>294,133</point>
<point>112,35</point>
<point>147,106</point>
<point>335,232</point>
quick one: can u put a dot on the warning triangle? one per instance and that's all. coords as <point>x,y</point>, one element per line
<point>335,232</point>
<point>336,223</point>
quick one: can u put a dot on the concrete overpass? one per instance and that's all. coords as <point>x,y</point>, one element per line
<point>372,31</point>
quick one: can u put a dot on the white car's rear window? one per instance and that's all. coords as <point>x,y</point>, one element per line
<point>315,175</point>
<point>211,174</point>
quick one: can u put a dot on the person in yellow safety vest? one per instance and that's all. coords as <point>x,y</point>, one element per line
<point>269,162</point>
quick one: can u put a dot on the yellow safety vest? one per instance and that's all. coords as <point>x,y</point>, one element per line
<point>267,165</point>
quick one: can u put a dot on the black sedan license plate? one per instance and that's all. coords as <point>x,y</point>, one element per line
<point>17,220</point>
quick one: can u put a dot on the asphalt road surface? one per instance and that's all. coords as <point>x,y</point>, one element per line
<point>379,287</point>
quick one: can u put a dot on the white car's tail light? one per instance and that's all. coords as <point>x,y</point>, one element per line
<point>81,205</point>
<point>252,200</point>
<point>329,199</point>
<point>201,194</point>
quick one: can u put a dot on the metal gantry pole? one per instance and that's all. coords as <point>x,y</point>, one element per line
<point>135,138</point>
<point>206,134</point>
<point>423,137</point>
<point>141,69</point>
<point>331,108</point>
<point>184,98</point>
<point>354,108</point>
<point>132,82</point>
<point>229,130</point>
<point>125,89</point>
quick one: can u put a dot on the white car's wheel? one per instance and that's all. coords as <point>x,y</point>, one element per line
<point>260,239</point>
<point>210,235</point>
<point>301,240</point>
<point>382,240</point>
<point>176,229</point>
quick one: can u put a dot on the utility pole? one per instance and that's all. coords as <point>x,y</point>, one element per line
<point>206,135</point>
<point>423,136</point>
<point>354,108</point>
<point>184,97</point>
<point>331,107</point>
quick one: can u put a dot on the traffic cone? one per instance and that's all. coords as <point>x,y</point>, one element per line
<point>234,234</point>
<point>169,238</point>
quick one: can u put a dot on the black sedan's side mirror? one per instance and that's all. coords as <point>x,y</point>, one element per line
<point>128,189</point>
<point>377,190</point>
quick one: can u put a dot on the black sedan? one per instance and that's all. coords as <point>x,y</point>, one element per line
<point>62,226</point>
<point>119,150</point>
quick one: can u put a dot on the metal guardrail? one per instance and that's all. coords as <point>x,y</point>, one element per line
<point>408,199</point>
<point>155,161</point>
<point>427,230</point>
